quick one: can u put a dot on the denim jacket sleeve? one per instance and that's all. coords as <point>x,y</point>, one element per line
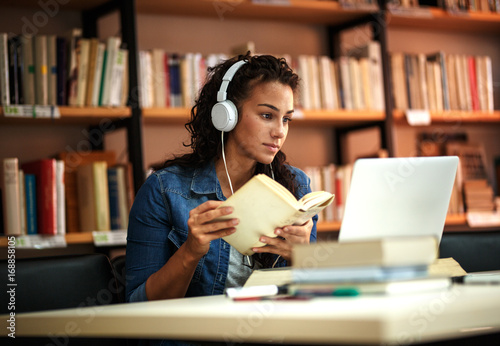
<point>146,238</point>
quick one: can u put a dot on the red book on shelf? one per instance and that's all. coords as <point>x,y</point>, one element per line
<point>45,175</point>
<point>473,83</point>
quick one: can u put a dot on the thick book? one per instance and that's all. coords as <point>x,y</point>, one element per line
<point>416,285</point>
<point>4,71</point>
<point>31,204</point>
<point>93,197</point>
<point>46,193</point>
<point>262,205</point>
<point>397,251</point>
<point>11,201</point>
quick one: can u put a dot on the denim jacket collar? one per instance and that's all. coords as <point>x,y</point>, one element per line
<point>205,181</point>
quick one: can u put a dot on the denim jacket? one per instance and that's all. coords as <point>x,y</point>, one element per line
<point>158,227</point>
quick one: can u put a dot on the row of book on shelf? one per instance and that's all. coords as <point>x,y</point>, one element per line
<point>487,6</point>
<point>353,81</point>
<point>75,192</point>
<point>62,70</point>
<point>442,82</point>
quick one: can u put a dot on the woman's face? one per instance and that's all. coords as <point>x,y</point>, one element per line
<point>263,122</point>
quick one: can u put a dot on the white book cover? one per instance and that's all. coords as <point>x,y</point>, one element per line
<point>112,47</point>
<point>489,83</point>
<point>305,98</point>
<point>4,71</point>
<point>312,64</point>
<point>60,197</point>
<point>11,198</point>
<point>346,83</point>
<point>117,77</point>
<point>326,87</point>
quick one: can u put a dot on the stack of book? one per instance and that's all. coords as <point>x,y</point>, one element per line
<point>382,266</point>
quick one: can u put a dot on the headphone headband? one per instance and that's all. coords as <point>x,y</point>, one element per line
<point>228,76</point>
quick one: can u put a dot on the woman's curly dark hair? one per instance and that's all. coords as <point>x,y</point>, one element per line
<point>206,139</point>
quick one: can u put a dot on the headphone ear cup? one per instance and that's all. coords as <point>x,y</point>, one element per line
<point>224,116</point>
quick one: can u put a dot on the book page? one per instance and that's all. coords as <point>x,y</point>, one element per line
<point>275,276</point>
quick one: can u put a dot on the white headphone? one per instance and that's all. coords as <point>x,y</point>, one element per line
<point>224,112</point>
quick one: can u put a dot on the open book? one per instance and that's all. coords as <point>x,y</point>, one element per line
<point>262,205</point>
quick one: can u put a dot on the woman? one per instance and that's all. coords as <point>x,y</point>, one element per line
<point>174,249</point>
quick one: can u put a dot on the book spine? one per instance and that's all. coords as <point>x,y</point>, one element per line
<point>61,201</point>
<point>4,71</point>
<point>22,202</point>
<point>28,75</point>
<point>13,70</point>
<point>52,70</point>
<point>45,171</point>
<point>98,74</point>
<point>100,186</point>
<point>62,71</point>
<point>31,204</point>
<point>83,59</point>
<point>41,81</point>
<point>11,201</point>
<point>114,209</point>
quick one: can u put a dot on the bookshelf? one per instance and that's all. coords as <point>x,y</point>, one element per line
<point>328,14</point>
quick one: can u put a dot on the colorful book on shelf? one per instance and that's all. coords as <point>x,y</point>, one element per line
<point>93,197</point>
<point>28,74</point>
<point>73,38</point>
<point>73,160</point>
<point>118,199</point>
<point>11,198</point>
<point>52,70</point>
<point>45,173</point>
<point>62,71</point>
<point>31,203</point>
<point>41,70</point>
<point>15,82</point>
<point>262,205</point>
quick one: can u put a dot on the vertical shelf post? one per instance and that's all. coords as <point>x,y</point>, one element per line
<point>134,128</point>
<point>379,29</point>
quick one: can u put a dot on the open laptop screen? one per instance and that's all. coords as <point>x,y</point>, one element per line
<point>398,197</point>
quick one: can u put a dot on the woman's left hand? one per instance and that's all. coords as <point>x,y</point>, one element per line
<point>286,237</point>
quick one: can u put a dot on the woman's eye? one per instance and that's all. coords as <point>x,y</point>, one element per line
<point>266,115</point>
<point>287,120</point>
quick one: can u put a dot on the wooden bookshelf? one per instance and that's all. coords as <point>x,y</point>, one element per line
<point>70,115</point>
<point>305,11</point>
<point>310,117</point>
<point>437,19</point>
<point>322,227</point>
<point>455,117</point>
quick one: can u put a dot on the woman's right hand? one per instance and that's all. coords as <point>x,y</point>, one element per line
<point>202,228</point>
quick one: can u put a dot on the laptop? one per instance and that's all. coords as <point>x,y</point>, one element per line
<point>392,197</point>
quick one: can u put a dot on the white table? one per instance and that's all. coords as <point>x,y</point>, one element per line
<point>461,311</point>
